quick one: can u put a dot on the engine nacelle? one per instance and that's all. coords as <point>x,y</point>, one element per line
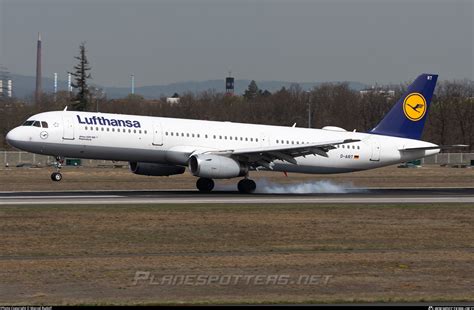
<point>216,167</point>
<point>155,169</point>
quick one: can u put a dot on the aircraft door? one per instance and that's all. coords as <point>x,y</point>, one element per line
<point>375,156</point>
<point>68,128</point>
<point>157,134</point>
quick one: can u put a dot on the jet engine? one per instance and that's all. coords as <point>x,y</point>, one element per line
<point>155,169</point>
<point>216,167</point>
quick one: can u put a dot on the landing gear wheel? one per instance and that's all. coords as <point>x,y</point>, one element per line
<point>205,185</point>
<point>56,176</point>
<point>246,186</point>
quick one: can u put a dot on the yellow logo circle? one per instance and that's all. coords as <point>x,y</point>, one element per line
<point>414,106</point>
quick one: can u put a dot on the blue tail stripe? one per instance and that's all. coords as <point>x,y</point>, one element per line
<point>407,117</point>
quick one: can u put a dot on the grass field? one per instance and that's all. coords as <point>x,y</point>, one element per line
<point>90,254</point>
<point>17,179</point>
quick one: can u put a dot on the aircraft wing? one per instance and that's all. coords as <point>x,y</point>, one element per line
<point>264,155</point>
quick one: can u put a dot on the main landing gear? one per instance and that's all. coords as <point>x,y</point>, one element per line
<point>245,186</point>
<point>205,185</point>
<point>57,176</point>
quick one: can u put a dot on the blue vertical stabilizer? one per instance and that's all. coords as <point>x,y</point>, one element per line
<point>407,117</point>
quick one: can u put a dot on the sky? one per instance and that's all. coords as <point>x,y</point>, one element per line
<point>161,42</point>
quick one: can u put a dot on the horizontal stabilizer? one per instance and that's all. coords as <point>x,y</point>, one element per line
<point>441,147</point>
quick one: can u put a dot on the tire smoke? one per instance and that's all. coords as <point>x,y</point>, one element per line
<point>316,187</point>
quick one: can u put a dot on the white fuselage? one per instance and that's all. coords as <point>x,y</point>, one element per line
<point>173,141</point>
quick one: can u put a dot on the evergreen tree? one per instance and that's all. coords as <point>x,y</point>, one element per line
<point>252,91</point>
<point>81,74</point>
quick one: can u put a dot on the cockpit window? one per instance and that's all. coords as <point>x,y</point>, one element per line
<point>36,124</point>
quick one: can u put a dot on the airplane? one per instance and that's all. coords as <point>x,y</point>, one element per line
<point>159,146</point>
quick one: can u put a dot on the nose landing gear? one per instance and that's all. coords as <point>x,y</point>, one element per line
<point>57,176</point>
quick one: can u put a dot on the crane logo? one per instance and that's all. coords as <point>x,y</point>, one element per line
<point>414,106</point>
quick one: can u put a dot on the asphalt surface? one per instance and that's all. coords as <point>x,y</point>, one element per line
<point>359,196</point>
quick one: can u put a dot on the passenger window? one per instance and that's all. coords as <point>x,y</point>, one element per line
<point>113,129</point>
<point>187,135</point>
<point>145,131</point>
<point>97,128</point>
<point>108,129</point>
<point>256,140</point>
<point>44,124</point>
<point>129,131</point>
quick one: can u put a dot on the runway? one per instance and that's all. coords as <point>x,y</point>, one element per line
<point>360,196</point>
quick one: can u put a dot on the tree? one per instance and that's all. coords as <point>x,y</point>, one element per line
<point>81,75</point>
<point>252,91</point>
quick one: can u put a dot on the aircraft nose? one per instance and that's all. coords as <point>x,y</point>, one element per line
<point>13,136</point>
